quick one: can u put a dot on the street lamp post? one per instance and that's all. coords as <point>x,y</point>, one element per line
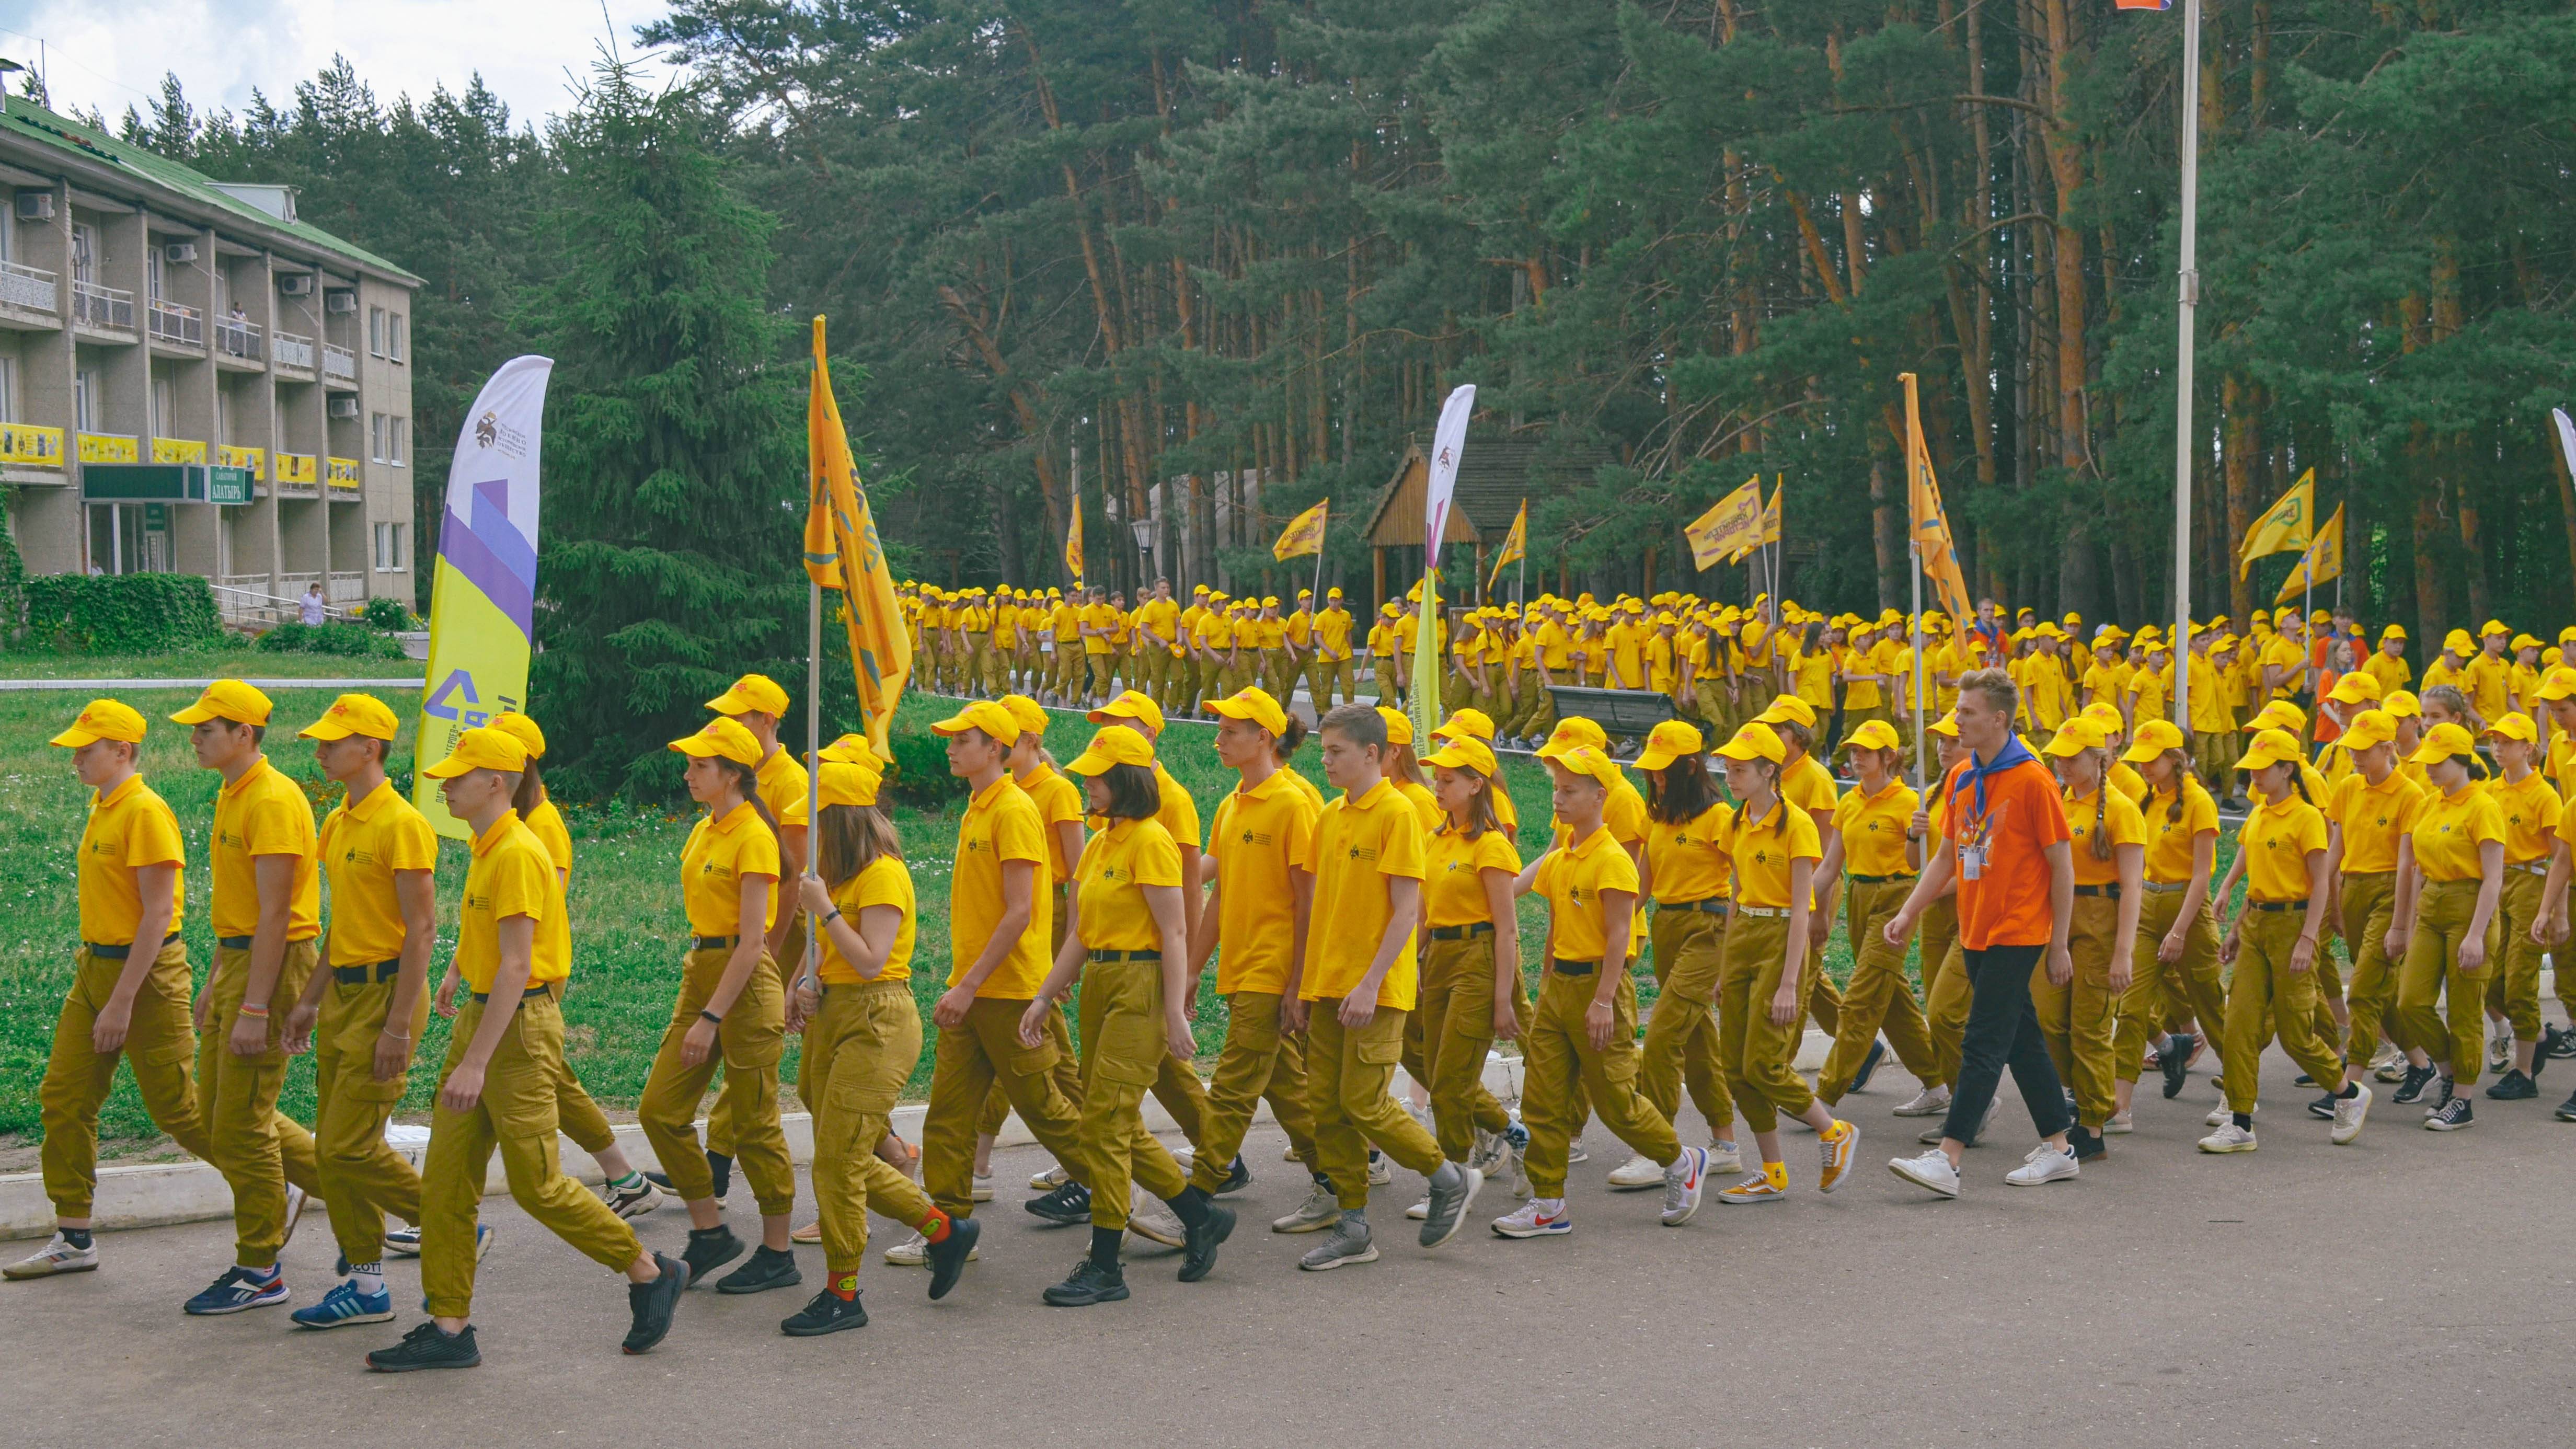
<point>2188,297</point>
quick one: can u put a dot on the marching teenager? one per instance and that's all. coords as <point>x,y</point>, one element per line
<point>364,1011</point>
<point>1581,1046</point>
<point>758,703</point>
<point>731,1012</point>
<point>1059,803</point>
<point>2273,943</point>
<point>1687,877</point>
<point>1127,944</point>
<point>1475,724</point>
<point>266,897</point>
<point>2107,840</point>
<point>1355,986</point>
<point>2007,848</point>
<point>1772,852</point>
<point>2175,963</point>
<point>2450,879</point>
<point>1404,771</point>
<point>862,1038</point>
<point>1471,993</point>
<point>130,985</point>
<point>2372,810</point>
<point>2531,810</point>
<point>496,1090</point>
<point>1872,847</point>
<point>1945,970</point>
<point>1807,785</point>
<point>1254,921</point>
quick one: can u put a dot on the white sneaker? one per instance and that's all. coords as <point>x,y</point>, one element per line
<point>1637,1172</point>
<point>1575,1154</point>
<point>914,1252</point>
<point>2349,1113</point>
<point>2044,1164</point>
<point>1419,1210</point>
<point>1534,1220</point>
<point>1723,1158</point>
<point>1684,1182</point>
<point>1381,1171</point>
<point>2228,1138</point>
<point>1149,1217</point>
<point>2120,1125</point>
<point>1316,1213</point>
<point>1931,1171</point>
<point>1488,1153</point>
<point>1049,1180</point>
<point>1519,1166</point>
<point>982,1190</point>
<point>297,1199</point>
<point>56,1257</point>
<point>2500,1049</point>
<point>1930,1102</point>
<point>2223,1114</point>
<point>1289,1154</point>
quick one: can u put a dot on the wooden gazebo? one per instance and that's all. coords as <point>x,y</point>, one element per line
<point>1494,476</point>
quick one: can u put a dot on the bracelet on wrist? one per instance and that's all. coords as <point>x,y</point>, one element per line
<point>836,915</point>
<point>710,1018</point>
<point>247,1009</point>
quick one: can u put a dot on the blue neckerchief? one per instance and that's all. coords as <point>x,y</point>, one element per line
<point>1975,774</point>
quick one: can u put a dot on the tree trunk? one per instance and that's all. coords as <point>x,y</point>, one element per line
<point>2241,413</point>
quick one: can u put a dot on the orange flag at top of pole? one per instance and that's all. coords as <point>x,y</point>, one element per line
<point>842,552</point>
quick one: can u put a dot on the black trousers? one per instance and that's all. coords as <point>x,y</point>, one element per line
<point>2003,1030</point>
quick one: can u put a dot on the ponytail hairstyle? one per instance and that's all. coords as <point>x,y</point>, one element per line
<point>2102,803</point>
<point>1402,765</point>
<point>1283,747</point>
<point>1481,816</point>
<point>746,782</point>
<point>531,792</point>
<point>850,838</point>
<point>2182,781</point>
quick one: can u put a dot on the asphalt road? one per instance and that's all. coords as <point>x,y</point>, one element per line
<point>2412,1289</point>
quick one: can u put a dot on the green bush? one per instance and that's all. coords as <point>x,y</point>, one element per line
<point>920,777</point>
<point>386,614</point>
<point>355,640</point>
<point>121,613</point>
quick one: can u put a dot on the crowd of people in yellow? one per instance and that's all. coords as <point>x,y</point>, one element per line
<point>2067,922</point>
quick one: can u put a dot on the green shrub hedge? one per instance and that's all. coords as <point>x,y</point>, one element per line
<point>920,777</point>
<point>121,613</point>
<point>356,640</point>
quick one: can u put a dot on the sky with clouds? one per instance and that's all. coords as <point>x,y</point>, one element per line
<point>113,53</point>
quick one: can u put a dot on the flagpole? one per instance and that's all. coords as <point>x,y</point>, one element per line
<point>814,700</point>
<point>2187,297</point>
<point>1914,549</point>
<point>1322,527</point>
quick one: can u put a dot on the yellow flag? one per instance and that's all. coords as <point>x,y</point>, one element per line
<point>1304,533</point>
<point>2284,527</point>
<point>1727,528</point>
<point>2323,560</point>
<point>1073,544</point>
<point>1515,545</point>
<point>1927,519</point>
<point>842,552</point>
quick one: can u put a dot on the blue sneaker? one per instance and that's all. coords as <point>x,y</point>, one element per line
<point>345,1304</point>
<point>235,1291</point>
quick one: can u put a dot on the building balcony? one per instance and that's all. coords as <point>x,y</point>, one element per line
<point>27,289</point>
<point>346,588</point>
<point>109,448</point>
<point>174,325</point>
<point>29,446</point>
<point>292,350</point>
<point>339,364</point>
<point>344,475</point>
<point>255,460</point>
<point>178,450</point>
<point>240,341</point>
<point>103,309</point>
<point>298,472</point>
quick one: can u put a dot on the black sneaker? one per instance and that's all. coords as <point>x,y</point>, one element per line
<point>826,1312</point>
<point>709,1250</point>
<point>1198,1251</point>
<point>2454,1116</point>
<point>2323,1108</point>
<point>768,1268</point>
<point>2087,1144</point>
<point>1064,1207</point>
<point>2411,1090</point>
<point>1090,1283</point>
<point>2514,1087</point>
<point>1869,1063</point>
<point>947,1257</point>
<point>720,1167</point>
<point>653,1304</point>
<point>661,1180</point>
<point>2176,1061</point>
<point>1237,1178</point>
<point>2303,1080</point>
<point>427,1348</point>
<point>2567,1109</point>
<point>2558,1043</point>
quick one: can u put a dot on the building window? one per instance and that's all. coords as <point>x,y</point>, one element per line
<point>395,336</point>
<point>84,252</point>
<point>165,408</point>
<point>375,437</point>
<point>85,401</point>
<point>8,387</point>
<point>375,331</point>
<point>398,442</point>
<point>391,556</point>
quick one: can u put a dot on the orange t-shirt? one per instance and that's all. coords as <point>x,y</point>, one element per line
<point>2002,857</point>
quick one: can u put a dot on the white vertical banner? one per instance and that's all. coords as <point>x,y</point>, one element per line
<point>1448,442</point>
<point>482,610</point>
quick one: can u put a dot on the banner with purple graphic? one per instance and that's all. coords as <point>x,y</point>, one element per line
<point>481,614</point>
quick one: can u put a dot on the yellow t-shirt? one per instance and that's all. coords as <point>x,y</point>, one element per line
<point>1333,632</point>
<point>1109,885</point>
<point>2392,672</point>
<point>712,865</point>
<point>129,827</point>
<point>1573,880</point>
<point>2126,779</point>
<point>1099,616</point>
<point>1001,825</point>
<point>1810,786</point>
<point>1163,617</point>
<point>1686,859</point>
<point>1760,852</point>
<point>780,779</point>
<point>2121,824</point>
<point>1179,814</point>
<point>1357,844</point>
<point>884,881</point>
<point>1058,800</point>
<point>1811,677</point>
<point>2449,830</point>
<point>2291,658</point>
<point>362,844</point>
<point>1873,829</point>
<point>264,813</point>
<point>1453,891</point>
<point>2150,688</point>
<point>511,876</point>
<point>2489,682</point>
<point>2276,840</point>
<point>1253,843</point>
<point>2373,818</point>
<point>547,823</point>
<point>1313,792</point>
<point>2170,841</point>
<point>2531,811</point>
<point>1426,806</point>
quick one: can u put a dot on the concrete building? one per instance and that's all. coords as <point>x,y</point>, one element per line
<point>192,380</point>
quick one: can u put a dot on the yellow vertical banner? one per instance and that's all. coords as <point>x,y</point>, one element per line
<point>842,552</point>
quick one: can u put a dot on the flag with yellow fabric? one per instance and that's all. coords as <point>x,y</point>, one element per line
<point>1073,543</point>
<point>2322,561</point>
<point>1928,521</point>
<point>1304,533</point>
<point>1728,528</point>
<point>1515,545</point>
<point>842,552</point>
<point>2284,527</point>
<point>1770,525</point>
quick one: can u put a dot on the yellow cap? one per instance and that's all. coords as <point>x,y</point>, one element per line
<point>723,738</point>
<point>840,783</point>
<point>2442,742</point>
<point>2368,728</point>
<point>1027,713</point>
<point>1947,726</point>
<point>2492,626</point>
<point>2402,704</point>
<point>2073,738</point>
<point>2152,739</point>
<point>1755,743</point>
<point>1466,724</point>
<point>2524,641</point>
<point>1113,746</point>
<point>480,749</point>
<point>1135,705</point>
<point>1590,763</point>
<point>2271,747</point>
<point>1399,725</point>
<point>1789,708</point>
<point>983,714</point>
<point>2106,718</point>
<point>226,699</point>
<point>1875,734</point>
<point>1464,752</point>
<point>356,714</point>
<point>2280,714</point>
<point>2393,631</point>
<point>1254,704</point>
<point>2459,642</point>
<point>851,750</point>
<point>2558,683</point>
<point>103,719</point>
<point>2514,726</point>
<point>751,694</point>
<point>1574,730</point>
<point>1674,739</point>
<point>2355,687</point>
<point>523,729</point>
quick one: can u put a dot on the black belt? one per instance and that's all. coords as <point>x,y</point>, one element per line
<point>713,943</point>
<point>1563,967</point>
<point>233,943</point>
<point>361,975</point>
<point>119,953</point>
<point>1113,958</point>
<point>533,993</point>
<point>2111,890</point>
<point>2276,905</point>
<point>1714,905</point>
<point>1877,879</point>
<point>1461,933</point>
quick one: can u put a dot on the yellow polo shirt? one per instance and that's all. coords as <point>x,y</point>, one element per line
<point>363,843</point>
<point>2169,840</point>
<point>2489,682</point>
<point>2449,830</point>
<point>1358,844</point>
<point>1453,893</point>
<point>1163,617</point>
<point>2531,811</point>
<point>1256,838</point>
<point>1001,825</point>
<point>780,779</point>
<point>1810,786</point>
<point>264,813</point>
<point>1873,829</point>
<point>1573,880</point>
<point>2392,672</point>
<point>884,881</point>
<point>129,827</point>
<point>1426,806</point>
<point>1333,632</point>
<point>2276,840</point>
<point>2373,818</point>
<point>1098,616</point>
<point>1058,800</point>
<point>1760,851</point>
<point>1109,885</point>
<point>511,876</point>
<point>1179,814</point>
<point>2117,817</point>
<point>547,824</point>
<point>1686,859</point>
<point>712,866</point>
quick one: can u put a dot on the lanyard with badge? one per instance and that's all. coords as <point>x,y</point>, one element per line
<point>1977,827</point>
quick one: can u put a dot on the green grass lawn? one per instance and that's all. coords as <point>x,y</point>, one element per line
<point>241,662</point>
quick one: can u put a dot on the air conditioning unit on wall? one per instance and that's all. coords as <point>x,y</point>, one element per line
<point>340,299</point>
<point>180,252</point>
<point>344,407</point>
<point>35,206</point>
<point>296,284</point>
